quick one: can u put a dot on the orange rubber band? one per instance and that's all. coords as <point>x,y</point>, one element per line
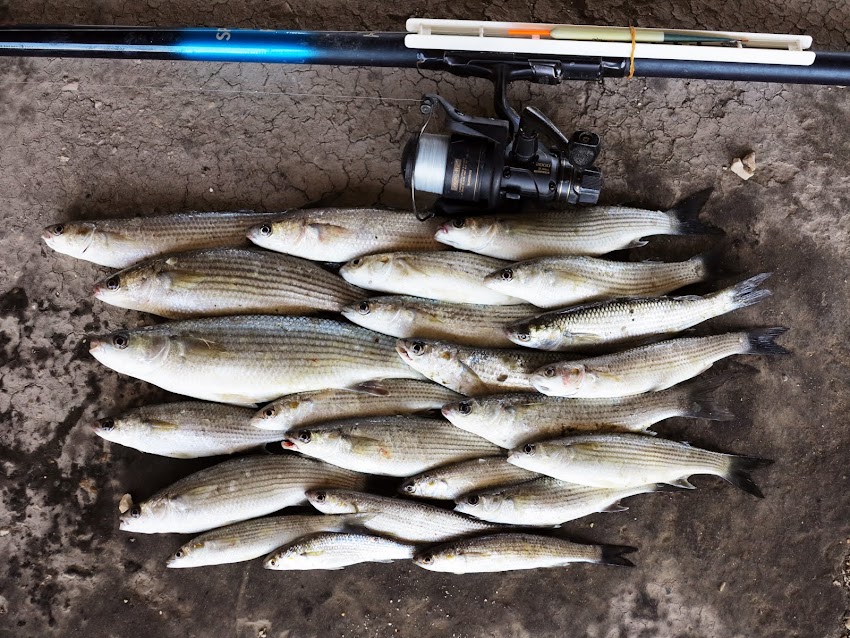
<point>632,57</point>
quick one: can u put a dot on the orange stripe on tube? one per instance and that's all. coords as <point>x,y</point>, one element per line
<point>524,33</point>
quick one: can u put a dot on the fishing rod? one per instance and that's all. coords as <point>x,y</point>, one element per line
<point>478,163</point>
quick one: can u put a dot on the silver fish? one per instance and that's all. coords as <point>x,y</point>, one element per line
<point>252,539</point>
<point>252,358</point>
<point>509,552</point>
<point>450,481</point>
<point>403,520</point>
<point>185,430</point>
<point>233,491</point>
<point>473,371</point>
<point>509,420</point>
<point>630,460</point>
<point>556,282</point>
<point>469,324</point>
<point>627,319</point>
<point>445,276</point>
<point>650,368</point>
<point>340,234</point>
<point>388,445</point>
<point>334,551</point>
<point>545,502</point>
<point>119,243</point>
<point>586,231</point>
<point>226,281</point>
<point>371,398</point>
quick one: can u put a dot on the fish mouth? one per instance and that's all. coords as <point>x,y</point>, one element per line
<point>289,444</point>
<point>402,348</point>
<point>94,342</point>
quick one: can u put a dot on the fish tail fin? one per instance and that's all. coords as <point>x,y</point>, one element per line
<point>746,293</point>
<point>761,341</point>
<point>738,473</point>
<point>615,555</point>
<point>698,400</point>
<point>684,216</point>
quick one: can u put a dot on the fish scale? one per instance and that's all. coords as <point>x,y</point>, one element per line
<point>390,445</point>
<point>511,419</point>
<point>556,282</point>
<point>119,243</point>
<point>446,276</point>
<point>619,320</point>
<point>234,491</point>
<point>508,552</point>
<point>340,234</point>
<point>252,358</point>
<point>252,539</point>
<point>544,502</point>
<point>450,481</point>
<point>372,398</point>
<point>226,281</point>
<point>398,518</point>
<point>652,367</point>
<point>188,429</point>
<point>406,316</point>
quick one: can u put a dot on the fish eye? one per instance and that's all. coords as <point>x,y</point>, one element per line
<point>113,282</point>
<point>265,230</point>
<point>57,229</point>
<point>528,449</point>
<point>507,274</point>
<point>179,554</point>
<point>549,372</point>
<point>459,223</point>
<point>409,487</point>
<point>272,562</point>
<point>320,497</point>
<point>106,424</point>
<point>269,412</point>
<point>523,336</point>
<point>120,341</point>
<point>472,500</point>
<point>464,407</point>
<point>356,262</point>
<point>136,511</point>
<point>427,559</point>
<point>417,347</point>
<point>304,436</point>
<point>363,308</point>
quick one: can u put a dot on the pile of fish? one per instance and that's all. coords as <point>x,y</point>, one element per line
<point>516,375</point>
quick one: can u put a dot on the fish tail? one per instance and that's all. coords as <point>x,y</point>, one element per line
<point>684,216</point>
<point>761,341</point>
<point>698,401</point>
<point>746,293</point>
<point>738,473</point>
<point>615,555</point>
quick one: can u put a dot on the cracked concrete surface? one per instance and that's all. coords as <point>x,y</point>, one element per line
<point>105,138</point>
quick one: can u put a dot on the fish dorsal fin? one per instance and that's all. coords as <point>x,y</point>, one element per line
<point>683,483</point>
<point>375,388</point>
<point>616,507</point>
<point>688,298</point>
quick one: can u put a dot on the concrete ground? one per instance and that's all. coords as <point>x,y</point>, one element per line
<point>107,138</point>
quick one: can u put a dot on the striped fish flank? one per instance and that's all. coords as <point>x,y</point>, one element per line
<point>468,324</point>
<point>253,358</point>
<point>226,281</point>
<point>556,282</point>
<point>119,243</point>
<point>588,231</point>
<point>403,520</point>
<point>252,539</point>
<point>233,491</point>
<point>389,446</point>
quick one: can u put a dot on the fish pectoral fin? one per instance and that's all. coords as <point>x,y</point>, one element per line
<point>683,483</point>
<point>637,243</point>
<point>616,507</point>
<point>586,338</point>
<point>367,445</point>
<point>470,382</point>
<point>325,232</point>
<point>202,490</point>
<point>162,426</point>
<point>192,344</point>
<point>375,388</point>
<point>175,279</point>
